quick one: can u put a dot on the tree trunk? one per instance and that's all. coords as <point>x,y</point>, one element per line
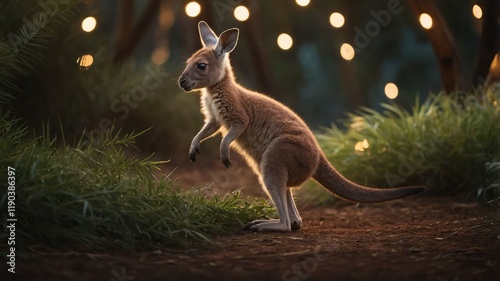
<point>128,38</point>
<point>354,95</point>
<point>166,18</point>
<point>258,52</point>
<point>443,44</point>
<point>352,92</point>
<point>489,44</point>
<point>124,22</point>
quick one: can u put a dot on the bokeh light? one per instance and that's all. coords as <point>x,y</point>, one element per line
<point>193,9</point>
<point>425,20</point>
<point>347,51</point>
<point>160,55</point>
<point>89,24</point>
<point>361,145</point>
<point>391,90</point>
<point>241,13</point>
<point>477,11</point>
<point>85,61</point>
<point>337,20</point>
<point>302,3</point>
<point>285,41</point>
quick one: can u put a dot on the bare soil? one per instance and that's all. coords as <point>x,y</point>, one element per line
<point>418,238</point>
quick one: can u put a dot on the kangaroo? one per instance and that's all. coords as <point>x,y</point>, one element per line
<point>275,142</point>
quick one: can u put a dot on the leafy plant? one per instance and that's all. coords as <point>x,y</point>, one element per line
<point>19,49</point>
<point>87,98</point>
<point>91,194</point>
<point>445,143</point>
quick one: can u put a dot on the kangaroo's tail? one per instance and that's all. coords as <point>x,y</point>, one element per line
<point>332,180</point>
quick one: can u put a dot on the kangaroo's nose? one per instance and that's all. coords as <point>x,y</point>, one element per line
<point>182,81</point>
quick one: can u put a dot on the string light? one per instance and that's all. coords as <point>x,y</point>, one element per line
<point>425,20</point>
<point>477,11</point>
<point>241,13</point>
<point>347,51</point>
<point>285,41</point>
<point>391,90</point>
<point>89,24</point>
<point>193,9</point>
<point>85,61</point>
<point>337,20</point>
<point>302,3</point>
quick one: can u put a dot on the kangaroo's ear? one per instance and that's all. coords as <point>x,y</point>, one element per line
<point>207,35</point>
<point>227,41</point>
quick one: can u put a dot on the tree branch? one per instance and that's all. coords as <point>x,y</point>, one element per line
<point>443,44</point>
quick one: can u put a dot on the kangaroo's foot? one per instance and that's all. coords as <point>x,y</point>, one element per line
<point>270,226</point>
<point>254,225</point>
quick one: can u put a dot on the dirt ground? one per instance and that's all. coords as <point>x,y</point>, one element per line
<point>418,238</point>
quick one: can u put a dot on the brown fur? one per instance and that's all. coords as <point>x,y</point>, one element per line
<point>275,141</point>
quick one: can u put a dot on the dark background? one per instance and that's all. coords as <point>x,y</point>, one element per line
<point>311,77</point>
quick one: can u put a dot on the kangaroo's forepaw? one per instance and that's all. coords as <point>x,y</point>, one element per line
<point>193,152</point>
<point>226,162</point>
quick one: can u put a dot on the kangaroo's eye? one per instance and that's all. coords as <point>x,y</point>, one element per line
<point>201,66</point>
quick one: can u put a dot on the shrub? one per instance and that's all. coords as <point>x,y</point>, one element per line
<point>93,195</point>
<point>445,143</point>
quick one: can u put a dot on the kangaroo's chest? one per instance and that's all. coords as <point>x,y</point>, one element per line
<point>215,108</point>
<point>210,107</point>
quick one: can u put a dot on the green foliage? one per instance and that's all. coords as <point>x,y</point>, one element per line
<point>446,143</point>
<point>87,98</point>
<point>91,99</point>
<point>493,177</point>
<point>19,48</point>
<point>92,195</point>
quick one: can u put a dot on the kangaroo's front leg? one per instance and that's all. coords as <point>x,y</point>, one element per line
<point>209,129</point>
<point>235,130</point>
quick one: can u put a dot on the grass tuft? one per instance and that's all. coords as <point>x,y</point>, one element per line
<point>92,195</point>
<point>447,142</point>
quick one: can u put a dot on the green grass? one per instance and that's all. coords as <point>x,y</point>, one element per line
<point>493,177</point>
<point>446,142</point>
<point>92,195</point>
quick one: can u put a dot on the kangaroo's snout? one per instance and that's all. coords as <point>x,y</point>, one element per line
<point>184,83</point>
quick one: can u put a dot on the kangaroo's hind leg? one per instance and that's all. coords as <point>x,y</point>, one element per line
<point>293,213</point>
<point>274,179</point>
<point>295,219</point>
